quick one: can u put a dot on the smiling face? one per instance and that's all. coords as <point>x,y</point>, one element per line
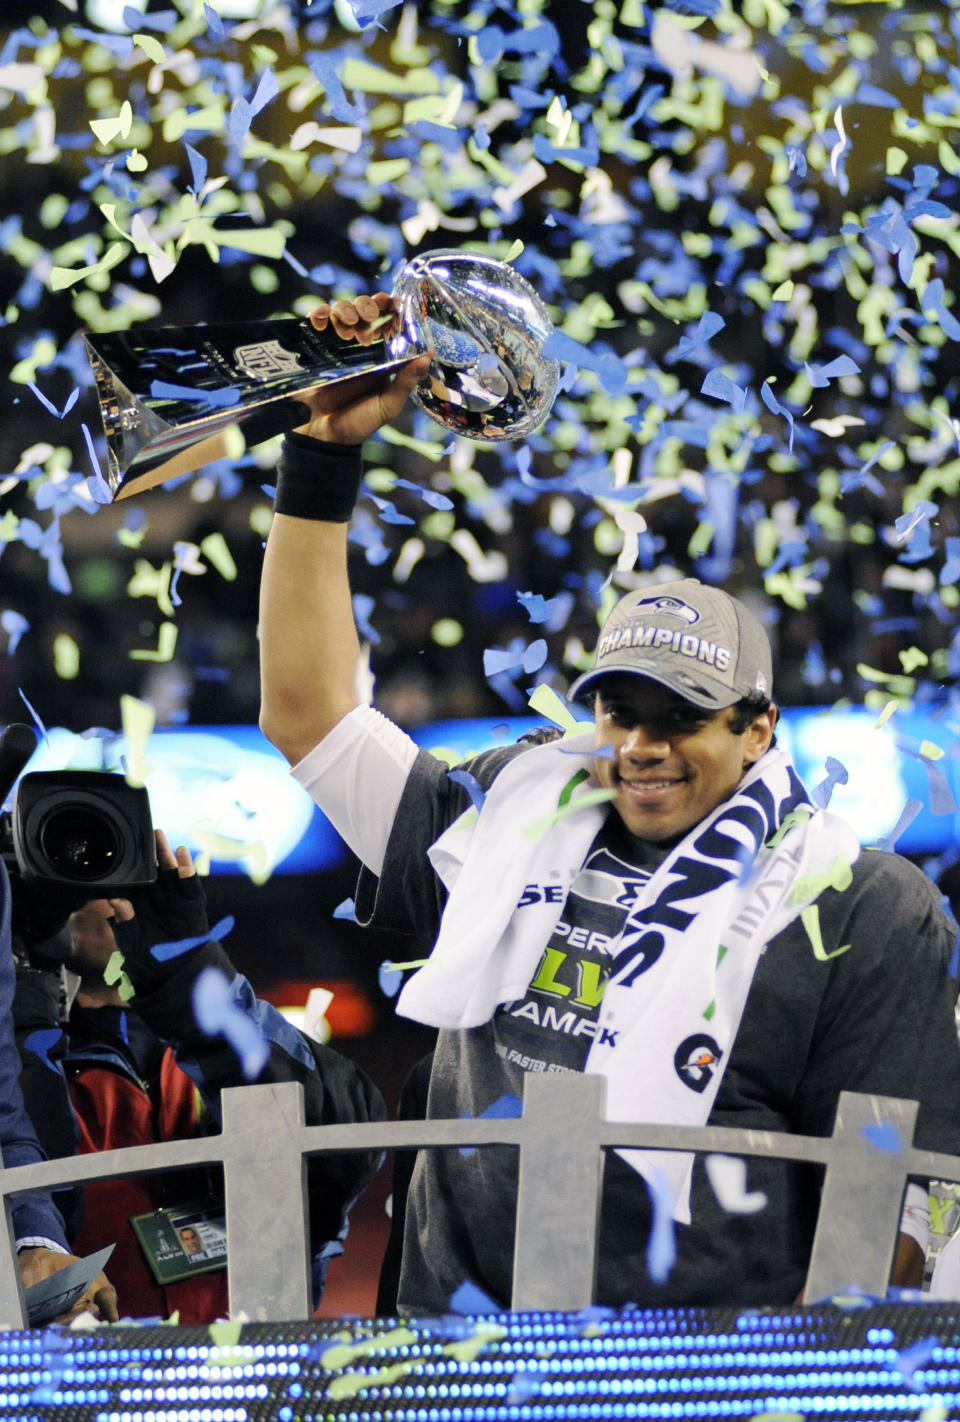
<point>672,762</point>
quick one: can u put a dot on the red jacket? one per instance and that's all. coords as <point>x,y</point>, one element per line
<point>113,1111</point>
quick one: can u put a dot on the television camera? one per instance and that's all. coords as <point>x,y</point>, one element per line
<point>87,831</point>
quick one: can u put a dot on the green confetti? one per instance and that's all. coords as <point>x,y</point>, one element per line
<point>115,977</point>
<point>468,1349</point>
<point>810,918</point>
<point>913,658</point>
<point>447,632</point>
<point>214,549</point>
<point>66,656</point>
<point>351,1383</point>
<point>839,877</point>
<point>151,47</point>
<point>537,828</point>
<point>344,1354</point>
<point>165,648</point>
<point>63,277</point>
<point>545,701</point>
<point>225,1333</point>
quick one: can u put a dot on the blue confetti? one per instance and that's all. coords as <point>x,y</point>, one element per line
<point>517,657</point>
<point>836,775</point>
<point>389,513</point>
<point>932,304</point>
<point>41,1043</point>
<point>942,799</point>
<point>363,606</point>
<point>707,327</point>
<point>596,752</point>
<point>15,625</point>
<point>662,1244</point>
<point>34,716</point>
<point>267,90</point>
<point>471,784</point>
<point>821,376</point>
<point>907,524</point>
<point>953,967</point>
<point>908,814</point>
<point>542,40</point>
<point>238,124</point>
<point>48,404</point>
<point>777,408</point>
<point>912,1359</point>
<point>217,1014</point>
<point>198,165</point>
<point>324,66</point>
<point>880,98</point>
<point>371,9</point>
<point>606,365</point>
<point>99,489</point>
<point>524,1384</point>
<point>721,387</point>
<point>164,952</point>
<point>346,910</point>
<point>506,1108</point>
<point>165,390</point>
<point>390,979</point>
<point>850,481</point>
<point>553,612</point>
<point>470,1300</point>
<point>883,1136</point>
<point>950,571</point>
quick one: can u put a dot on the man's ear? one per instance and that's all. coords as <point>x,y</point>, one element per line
<point>758,736</point>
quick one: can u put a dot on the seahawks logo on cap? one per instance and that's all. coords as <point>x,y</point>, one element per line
<point>671,607</point>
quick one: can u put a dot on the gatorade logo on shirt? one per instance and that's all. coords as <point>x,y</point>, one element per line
<point>695,1059</point>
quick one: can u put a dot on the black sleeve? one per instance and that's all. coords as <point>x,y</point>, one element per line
<point>412,1106</point>
<point>335,1090</point>
<point>41,1046</point>
<point>407,897</point>
<point>886,1024</point>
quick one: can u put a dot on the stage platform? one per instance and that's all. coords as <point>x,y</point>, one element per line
<point>552,1358</point>
<point>849,1360</point>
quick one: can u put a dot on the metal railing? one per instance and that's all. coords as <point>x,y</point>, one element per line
<point>265,1145</point>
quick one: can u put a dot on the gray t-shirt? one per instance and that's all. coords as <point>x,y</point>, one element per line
<point>877,1018</point>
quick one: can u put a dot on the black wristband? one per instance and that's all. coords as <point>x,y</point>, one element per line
<point>317,480</point>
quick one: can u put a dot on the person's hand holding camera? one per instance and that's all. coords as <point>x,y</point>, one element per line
<point>172,910</point>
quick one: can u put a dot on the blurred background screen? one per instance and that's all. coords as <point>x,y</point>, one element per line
<point>226,793</point>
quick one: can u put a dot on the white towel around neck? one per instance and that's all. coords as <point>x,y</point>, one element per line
<point>487,952</point>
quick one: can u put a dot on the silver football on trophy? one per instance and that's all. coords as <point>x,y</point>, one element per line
<point>489,378</point>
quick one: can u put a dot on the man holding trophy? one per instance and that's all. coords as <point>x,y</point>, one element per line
<point>629,935</point>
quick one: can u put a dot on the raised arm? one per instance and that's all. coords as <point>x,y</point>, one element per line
<point>309,651</point>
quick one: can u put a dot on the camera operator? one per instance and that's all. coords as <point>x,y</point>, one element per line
<point>142,1070</point>
<point>42,1247</point>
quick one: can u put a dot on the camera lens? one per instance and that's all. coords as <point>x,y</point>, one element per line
<point>80,843</point>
